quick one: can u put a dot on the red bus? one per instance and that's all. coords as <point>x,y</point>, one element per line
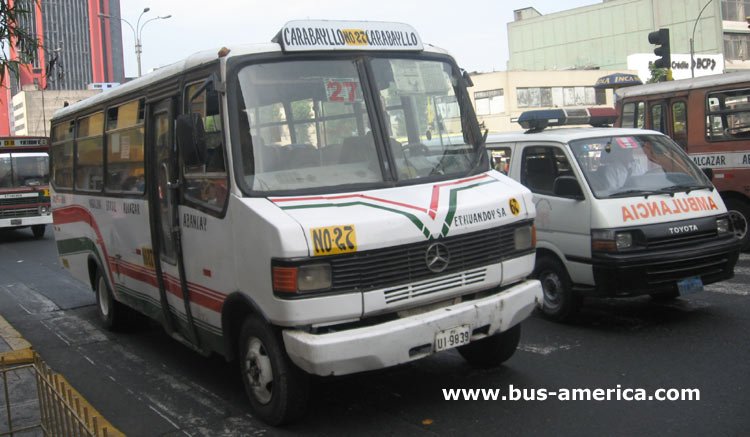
<point>710,118</point>
<point>24,184</point>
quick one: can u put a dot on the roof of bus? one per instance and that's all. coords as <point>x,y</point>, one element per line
<point>195,60</point>
<point>565,135</point>
<point>684,84</point>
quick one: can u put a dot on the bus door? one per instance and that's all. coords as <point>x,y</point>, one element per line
<point>658,116</point>
<point>164,199</point>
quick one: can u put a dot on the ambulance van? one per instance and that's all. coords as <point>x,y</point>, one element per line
<point>620,212</point>
<point>279,204</point>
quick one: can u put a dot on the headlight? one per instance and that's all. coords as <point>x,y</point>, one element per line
<point>306,278</point>
<point>723,226</point>
<point>43,210</point>
<point>524,238</point>
<point>606,240</point>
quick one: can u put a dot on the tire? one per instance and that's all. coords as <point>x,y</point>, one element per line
<point>38,231</point>
<point>278,390</point>
<point>560,303</point>
<point>739,214</point>
<point>492,351</point>
<point>110,311</point>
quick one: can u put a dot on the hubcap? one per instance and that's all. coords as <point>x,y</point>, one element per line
<point>103,297</point>
<point>552,286</point>
<point>739,223</point>
<point>258,371</point>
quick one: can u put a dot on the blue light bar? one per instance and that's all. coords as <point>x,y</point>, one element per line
<point>539,120</point>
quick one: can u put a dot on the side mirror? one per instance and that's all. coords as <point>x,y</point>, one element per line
<point>467,79</point>
<point>709,172</point>
<point>191,139</point>
<point>567,186</point>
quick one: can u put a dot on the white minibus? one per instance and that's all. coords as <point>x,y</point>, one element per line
<point>321,204</point>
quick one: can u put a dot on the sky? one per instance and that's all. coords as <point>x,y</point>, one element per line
<point>473,31</point>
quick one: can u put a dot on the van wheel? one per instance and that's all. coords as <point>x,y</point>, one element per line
<point>278,390</point>
<point>739,214</point>
<point>38,231</point>
<point>560,303</point>
<point>494,350</point>
<point>110,311</point>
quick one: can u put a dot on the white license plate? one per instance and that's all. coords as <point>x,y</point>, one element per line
<point>454,337</point>
<point>690,285</point>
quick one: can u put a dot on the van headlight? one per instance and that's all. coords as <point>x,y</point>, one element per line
<point>301,279</point>
<point>723,226</point>
<point>607,240</point>
<point>43,210</point>
<point>524,237</point>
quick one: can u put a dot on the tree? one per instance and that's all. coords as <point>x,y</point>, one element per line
<point>16,38</point>
<point>657,74</point>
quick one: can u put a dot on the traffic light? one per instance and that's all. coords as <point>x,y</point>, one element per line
<point>661,39</point>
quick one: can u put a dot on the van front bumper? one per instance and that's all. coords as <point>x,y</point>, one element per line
<point>410,338</point>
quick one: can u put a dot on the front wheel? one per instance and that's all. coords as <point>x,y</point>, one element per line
<point>739,214</point>
<point>560,303</point>
<point>278,390</point>
<point>38,231</point>
<point>492,351</point>
<point>110,311</point>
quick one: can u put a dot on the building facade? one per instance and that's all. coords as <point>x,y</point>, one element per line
<point>78,47</point>
<point>500,97</point>
<point>33,109</point>
<point>604,35</point>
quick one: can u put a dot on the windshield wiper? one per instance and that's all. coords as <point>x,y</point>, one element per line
<point>644,193</point>
<point>688,188</point>
<point>481,152</point>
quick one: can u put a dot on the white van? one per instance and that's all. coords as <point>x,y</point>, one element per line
<point>321,204</point>
<point>620,212</point>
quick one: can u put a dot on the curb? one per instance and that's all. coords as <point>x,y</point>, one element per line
<point>23,353</point>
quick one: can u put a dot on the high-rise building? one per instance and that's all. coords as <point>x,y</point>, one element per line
<point>78,47</point>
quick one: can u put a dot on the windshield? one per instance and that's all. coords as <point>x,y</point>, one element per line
<point>309,123</point>
<point>23,169</point>
<point>636,165</point>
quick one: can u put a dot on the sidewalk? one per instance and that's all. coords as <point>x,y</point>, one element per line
<point>35,398</point>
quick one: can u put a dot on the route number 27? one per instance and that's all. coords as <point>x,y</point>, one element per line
<point>332,240</point>
<point>341,90</point>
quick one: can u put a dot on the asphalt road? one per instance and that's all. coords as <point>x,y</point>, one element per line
<point>146,384</point>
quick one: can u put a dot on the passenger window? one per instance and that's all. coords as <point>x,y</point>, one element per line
<point>90,153</point>
<point>61,154</point>
<point>125,172</point>
<point>542,166</point>
<point>728,115</point>
<point>679,123</point>
<point>657,118</point>
<point>500,159</point>
<point>207,183</point>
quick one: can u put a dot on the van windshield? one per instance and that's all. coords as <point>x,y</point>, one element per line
<point>633,165</point>
<point>23,169</point>
<point>308,124</point>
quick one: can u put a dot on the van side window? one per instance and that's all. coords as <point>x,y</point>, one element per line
<point>207,184</point>
<point>125,139</point>
<point>679,123</point>
<point>90,153</point>
<point>500,159</point>
<point>728,115</point>
<point>541,166</point>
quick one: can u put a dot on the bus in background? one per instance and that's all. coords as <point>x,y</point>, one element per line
<point>24,184</point>
<point>321,204</point>
<point>710,118</point>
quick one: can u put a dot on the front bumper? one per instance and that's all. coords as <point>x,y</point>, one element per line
<point>658,272</point>
<point>410,338</point>
<point>26,221</point>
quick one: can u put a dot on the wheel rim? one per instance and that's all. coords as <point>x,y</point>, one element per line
<point>258,371</point>
<point>552,287</point>
<point>103,297</point>
<point>739,223</point>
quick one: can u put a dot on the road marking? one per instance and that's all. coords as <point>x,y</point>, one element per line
<point>29,299</point>
<point>151,407</point>
<point>542,349</point>
<point>727,288</point>
<point>73,330</point>
<point>742,270</point>
<point>745,256</point>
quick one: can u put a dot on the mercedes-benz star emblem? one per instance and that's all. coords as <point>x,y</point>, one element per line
<point>437,257</point>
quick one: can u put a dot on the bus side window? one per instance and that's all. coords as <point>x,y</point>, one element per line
<point>125,148</point>
<point>679,123</point>
<point>207,184</point>
<point>657,118</point>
